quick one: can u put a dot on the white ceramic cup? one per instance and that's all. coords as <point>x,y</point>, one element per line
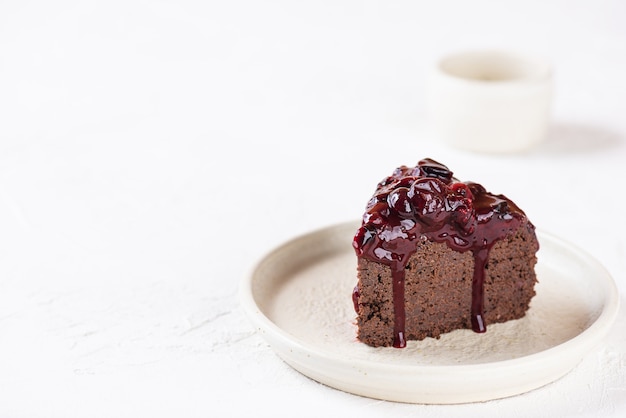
<point>490,101</point>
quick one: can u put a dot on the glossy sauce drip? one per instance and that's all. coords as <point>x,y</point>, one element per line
<point>478,281</point>
<point>426,202</point>
<point>397,275</point>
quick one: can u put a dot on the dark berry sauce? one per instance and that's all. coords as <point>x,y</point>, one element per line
<point>427,202</point>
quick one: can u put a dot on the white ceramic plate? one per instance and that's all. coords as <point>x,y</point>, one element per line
<point>299,299</point>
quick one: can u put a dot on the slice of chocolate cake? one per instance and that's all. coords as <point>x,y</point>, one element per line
<point>435,255</point>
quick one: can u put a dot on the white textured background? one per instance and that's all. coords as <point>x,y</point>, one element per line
<point>152,151</point>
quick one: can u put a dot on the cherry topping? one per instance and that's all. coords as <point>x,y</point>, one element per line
<point>462,189</point>
<point>431,168</point>
<point>400,202</point>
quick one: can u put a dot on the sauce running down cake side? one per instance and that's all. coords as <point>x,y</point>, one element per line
<point>435,254</point>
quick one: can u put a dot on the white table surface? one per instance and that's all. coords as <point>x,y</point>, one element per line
<point>152,152</point>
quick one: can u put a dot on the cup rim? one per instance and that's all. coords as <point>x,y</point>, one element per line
<point>494,67</point>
